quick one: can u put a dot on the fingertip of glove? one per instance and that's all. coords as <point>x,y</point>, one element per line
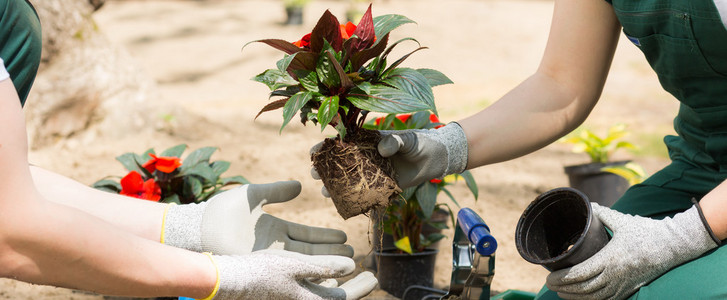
<point>389,145</point>
<point>314,174</point>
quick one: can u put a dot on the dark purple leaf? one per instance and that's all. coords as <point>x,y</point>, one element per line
<point>327,29</point>
<point>272,106</point>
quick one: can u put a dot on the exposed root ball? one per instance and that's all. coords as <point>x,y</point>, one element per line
<point>355,174</point>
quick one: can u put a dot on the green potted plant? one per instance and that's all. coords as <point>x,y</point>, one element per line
<point>294,11</point>
<point>601,179</point>
<point>413,222</point>
<point>169,179</point>
<point>334,76</point>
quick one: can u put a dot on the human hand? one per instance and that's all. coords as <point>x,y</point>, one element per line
<point>234,223</point>
<point>279,274</point>
<point>641,250</point>
<point>419,155</point>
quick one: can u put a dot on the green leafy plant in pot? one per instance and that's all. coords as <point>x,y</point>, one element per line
<point>603,180</point>
<point>410,214</point>
<point>334,76</point>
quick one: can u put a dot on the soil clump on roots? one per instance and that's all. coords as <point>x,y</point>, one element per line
<point>356,176</point>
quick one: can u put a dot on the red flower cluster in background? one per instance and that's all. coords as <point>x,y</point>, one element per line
<point>134,185</point>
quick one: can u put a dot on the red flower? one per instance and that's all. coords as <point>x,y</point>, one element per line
<point>347,30</point>
<point>433,118</point>
<point>436,181</point>
<point>133,185</point>
<point>404,117</point>
<point>378,121</point>
<point>165,164</point>
<point>304,42</point>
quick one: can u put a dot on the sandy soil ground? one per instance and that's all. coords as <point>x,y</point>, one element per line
<point>192,49</point>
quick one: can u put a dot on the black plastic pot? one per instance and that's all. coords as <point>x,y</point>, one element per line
<point>294,15</point>
<point>558,230</point>
<point>398,271</point>
<point>601,187</point>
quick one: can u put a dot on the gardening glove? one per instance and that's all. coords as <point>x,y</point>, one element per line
<point>641,250</point>
<point>234,223</point>
<point>419,155</point>
<point>279,274</point>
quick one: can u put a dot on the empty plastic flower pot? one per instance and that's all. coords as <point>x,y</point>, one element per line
<point>558,230</point>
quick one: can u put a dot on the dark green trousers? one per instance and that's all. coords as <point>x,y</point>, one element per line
<point>20,43</point>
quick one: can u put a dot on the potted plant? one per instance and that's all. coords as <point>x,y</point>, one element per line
<point>334,76</point>
<point>414,220</point>
<point>294,11</point>
<point>169,179</point>
<point>600,179</point>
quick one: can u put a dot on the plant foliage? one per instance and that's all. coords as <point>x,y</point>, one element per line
<point>338,73</point>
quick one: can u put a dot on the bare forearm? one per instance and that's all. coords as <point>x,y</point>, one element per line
<point>529,117</point>
<point>48,243</point>
<point>142,218</point>
<point>714,204</point>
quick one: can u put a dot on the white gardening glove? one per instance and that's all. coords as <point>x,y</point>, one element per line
<point>279,274</point>
<point>641,250</point>
<point>234,223</point>
<point>419,155</point>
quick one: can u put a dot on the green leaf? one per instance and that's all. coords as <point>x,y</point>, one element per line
<point>275,79</point>
<point>327,73</point>
<point>427,196</point>
<point>107,185</point>
<point>386,23</point>
<point>404,245</point>
<point>284,63</point>
<point>387,100</point>
<point>234,180</point>
<point>220,167</point>
<point>419,120</point>
<point>175,151</point>
<point>197,156</point>
<point>174,198</point>
<point>129,161</point>
<point>435,77</point>
<point>414,84</point>
<point>308,79</point>
<point>294,104</point>
<point>327,111</point>
<point>202,170</point>
<point>471,184</point>
<point>451,197</point>
<point>193,186</point>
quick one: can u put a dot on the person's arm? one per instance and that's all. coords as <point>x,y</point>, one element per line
<point>46,243</point>
<point>559,96</point>
<point>544,107</point>
<point>142,218</point>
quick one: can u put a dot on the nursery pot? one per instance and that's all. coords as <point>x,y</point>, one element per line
<point>601,187</point>
<point>558,230</point>
<point>398,271</point>
<point>294,15</point>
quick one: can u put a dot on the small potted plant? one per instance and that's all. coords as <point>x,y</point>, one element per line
<point>413,221</point>
<point>334,76</point>
<point>169,179</point>
<point>294,11</point>
<point>600,179</point>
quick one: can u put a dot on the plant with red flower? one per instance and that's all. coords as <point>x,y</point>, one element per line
<point>168,179</point>
<point>406,216</point>
<point>334,76</point>
<point>337,73</point>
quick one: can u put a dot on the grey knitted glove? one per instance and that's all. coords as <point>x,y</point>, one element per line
<point>279,274</point>
<point>641,250</point>
<point>234,223</point>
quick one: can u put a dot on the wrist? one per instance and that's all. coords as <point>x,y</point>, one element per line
<point>183,226</point>
<point>453,137</point>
